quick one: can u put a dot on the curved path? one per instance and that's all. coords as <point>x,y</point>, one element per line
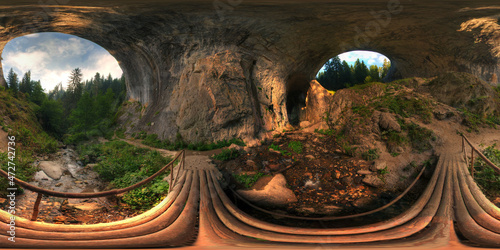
<point>198,214</point>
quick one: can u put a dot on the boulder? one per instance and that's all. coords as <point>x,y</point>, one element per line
<point>388,122</point>
<point>378,165</point>
<point>317,103</point>
<point>53,169</point>
<point>373,180</point>
<point>41,176</point>
<point>365,172</point>
<point>274,194</point>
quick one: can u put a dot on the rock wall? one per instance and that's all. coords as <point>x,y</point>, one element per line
<point>214,70</point>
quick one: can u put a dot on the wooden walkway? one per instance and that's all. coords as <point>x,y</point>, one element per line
<point>198,214</point>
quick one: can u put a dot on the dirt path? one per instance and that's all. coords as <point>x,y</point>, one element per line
<point>163,152</point>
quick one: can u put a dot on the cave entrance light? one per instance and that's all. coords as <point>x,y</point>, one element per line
<point>353,68</point>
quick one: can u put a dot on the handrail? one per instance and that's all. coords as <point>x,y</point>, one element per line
<point>474,149</point>
<point>330,218</point>
<point>43,191</point>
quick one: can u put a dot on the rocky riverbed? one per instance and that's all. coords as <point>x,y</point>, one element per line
<point>63,172</point>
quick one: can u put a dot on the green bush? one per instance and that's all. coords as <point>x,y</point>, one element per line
<point>484,175</point>
<point>328,132</point>
<point>248,180</point>
<point>153,141</point>
<point>227,154</point>
<point>406,107</point>
<point>370,155</point>
<point>420,138</point>
<point>295,146</point>
<point>124,165</point>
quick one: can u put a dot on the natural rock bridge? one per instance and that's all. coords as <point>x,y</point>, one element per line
<point>214,70</point>
<point>223,69</point>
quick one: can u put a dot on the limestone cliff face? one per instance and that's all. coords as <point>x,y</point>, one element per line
<point>214,70</point>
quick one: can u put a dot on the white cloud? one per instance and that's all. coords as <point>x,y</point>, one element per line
<point>25,61</point>
<point>52,56</point>
<point>35,35</point>
<point>104,63</point>
<point>369,57</point>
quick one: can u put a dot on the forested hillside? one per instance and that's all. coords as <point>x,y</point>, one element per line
<point>82,110</point>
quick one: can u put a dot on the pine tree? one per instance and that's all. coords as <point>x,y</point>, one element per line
<point>374,73</point>
<point>360,72</point>
<point>84,116</point>
<point>75,84</point>
<point>37,94</point>
<point>25,86</point>
<point>330,78</point>
<point>13,82</point>
<point>51,117</point>
<point>385,69</point>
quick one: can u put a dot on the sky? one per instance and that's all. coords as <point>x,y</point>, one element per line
<point>52,56</point>
<point>369,57</point>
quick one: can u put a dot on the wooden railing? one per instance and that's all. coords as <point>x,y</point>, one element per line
<point>41,191</point>
<point>473,151</point>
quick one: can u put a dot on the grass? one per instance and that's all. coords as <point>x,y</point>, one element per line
<point>484,175</point>
<point>370,155</point>
<point>381,173</point>
<point>31,140</point>
<point>277,148</point>
<point>123,165</point>
<point>420,138</point>
<point>248,180</point>
<point>227,154</point>
<point>406,107</point>
<point>296,146</point>
<point>328,132</point>
<point>474,121</point>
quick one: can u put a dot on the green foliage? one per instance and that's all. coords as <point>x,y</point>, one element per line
<point>153,141</point>
<point>394,139</point>
<point>142,135</point>
<point>328,132</point>
<point>51,117</point>
<point>13,82</point>
<point>484,175</point>
<point>420,138</point>
<point>248,180</point>
<point>275,147</point>
<point>227,154</point>
<point>295,146</point>
<point>37,95</point>
<point>24,169</point>
<point>120,133</point>
<point>406,107</point>
<point>124,165</point>
<point>370,154</point>
<point>338,75</point>
<point>474,121</point>
<point>363,111</point>
<point>383,171</point>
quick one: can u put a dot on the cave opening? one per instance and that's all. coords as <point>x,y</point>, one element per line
<point>50,58</point>
<point>353,68</point>
<point>296,99</point>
